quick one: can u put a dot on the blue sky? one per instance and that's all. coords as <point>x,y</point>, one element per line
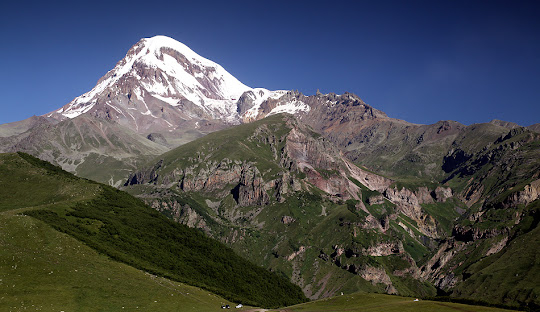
<point>421,61</point>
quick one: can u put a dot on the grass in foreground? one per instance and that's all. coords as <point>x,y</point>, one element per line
<point>44,270</point>
<point>383,303</point>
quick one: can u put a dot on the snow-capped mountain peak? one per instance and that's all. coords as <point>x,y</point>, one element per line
<point>160,84</point>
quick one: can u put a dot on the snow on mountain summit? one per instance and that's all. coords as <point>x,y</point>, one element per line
<point>161,83</point>
<point>162,52</point>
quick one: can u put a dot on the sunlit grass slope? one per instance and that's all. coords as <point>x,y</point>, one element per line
<point>384,303</point>
<point>44,270</point>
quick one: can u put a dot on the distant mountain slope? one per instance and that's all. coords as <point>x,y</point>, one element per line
<point>535,127</point>
<point>493,251</point>
<point>122,227</point>
<point>18,127</point>
<point>90,147</point>
<point>287,198</point>
<point>505,124</point>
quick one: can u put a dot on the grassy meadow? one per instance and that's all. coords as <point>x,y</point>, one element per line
<point>383,303</point>
<point>45,270</point>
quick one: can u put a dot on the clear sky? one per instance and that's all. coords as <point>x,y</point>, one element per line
<point>422,61</point>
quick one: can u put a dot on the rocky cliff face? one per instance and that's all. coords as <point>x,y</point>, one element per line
<point>248,173</point>
<point>296,151</point>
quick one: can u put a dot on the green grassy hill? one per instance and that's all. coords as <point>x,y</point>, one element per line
<point>124,229</point>
<point>384,303</point>
<point>44,270</point>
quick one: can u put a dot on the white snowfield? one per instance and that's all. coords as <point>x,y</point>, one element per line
<point>196,79</point>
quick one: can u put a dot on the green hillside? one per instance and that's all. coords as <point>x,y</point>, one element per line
<point>512,274</point>
<point>123,228</point>
<point>385,303</point>
<point>44,270</point>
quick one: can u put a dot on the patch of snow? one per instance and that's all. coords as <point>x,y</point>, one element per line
<point>259,96</point>
<point>77,109</point>
<point>116,109</point>
<point>292,107</point>
<point>169,100</point>
<point>170,125</point>
<point>138,93</point>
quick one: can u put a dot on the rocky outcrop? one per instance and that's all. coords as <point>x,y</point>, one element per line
<point>406,201</point>
<point>433,269</point>
<point>300,251</point>
<point>371,222</point>
<point>287,219</point>
<point>530,193</point>
<point>376,276</point>
<point>249,186</point>
<point>441,194</point>
<point>245,102</point>
<point>181,213</point>
<point>384,249</point>
<point>497,246</point>
<point>286,184</point>
<point>423,195</point>
<point>144,176</point>
<point>409,205</point>
<point>474,233</point>
<point>158,138</point>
